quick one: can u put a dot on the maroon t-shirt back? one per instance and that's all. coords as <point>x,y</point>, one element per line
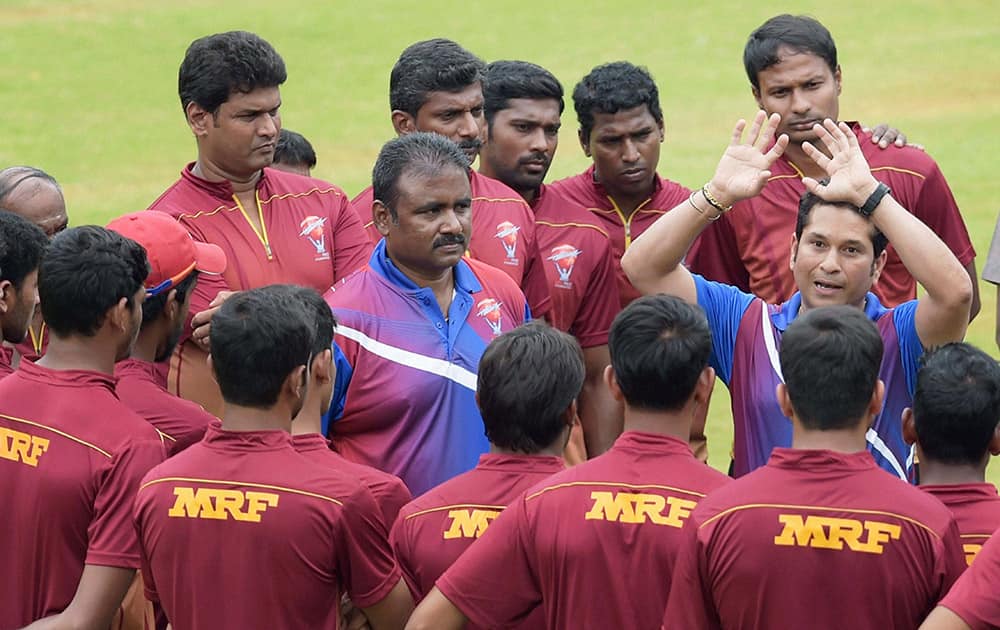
<point>71,458</point>
<point>814,539</point>
<point>242,531</point>
<point>976,507</point>
<point>592,545</point>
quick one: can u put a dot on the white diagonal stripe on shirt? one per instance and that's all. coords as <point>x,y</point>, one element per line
<point>450,371</point>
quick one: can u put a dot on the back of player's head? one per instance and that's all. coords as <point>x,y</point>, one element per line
<point>293,149</point>
<point>433,65</point>
<point>517,79</point>
<point>659,347</point>
<point>528,378</point>
<point>956,405</point>
<point>314,307</point>
<point>809,201</point>
<point>217,66</point>
<point>798,33</point>
<point>611,88</point>
<point>22,246</point>
<point>84,273</point>
<point>830,360</point>
<point>418,153</point>
<point>259,337</point>
<point>14,176</point>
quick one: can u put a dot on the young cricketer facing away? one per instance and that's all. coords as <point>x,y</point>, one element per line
<point>22,246</point>
<point>583,544</point>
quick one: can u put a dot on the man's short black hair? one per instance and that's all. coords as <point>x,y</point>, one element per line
<point>13,176</point>
<point>22,247</point>
<point>259,338</point>
<point>830,360</point>
<point>798,33</point>
<point>956,405</point>
<point>420,153</point>
<point>659,347</point>
<point>433,65</point>
<point>293,149</point>
<point>315,307</point>
<point>528,378</point>
<point>809,201</point>
<point>84,273</point>
<point>153,306</point>
<point>518,79</point>
<point>611,88</point>
<point>217,66</point>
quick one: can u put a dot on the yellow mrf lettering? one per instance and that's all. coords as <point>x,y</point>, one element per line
<point>469,523</point>
<point>971,551</point>
<point>634,507</point>
<point>22,447</point>
<point>827,532</point>
<point>218,504</point>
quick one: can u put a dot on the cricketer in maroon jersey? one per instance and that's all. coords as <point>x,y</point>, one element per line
<point>36,196</point>
<point>528,382</point>
<point>953,423</point>
<point>437,86</point>
<point>389,491</point>
<point>176,262</point>
<point>72,455</point>
<point>972,603</point>
<point>791,62</point>
<point>820,517</point>
<point>273,226</point>
<point>584,544</point>
<point>523,104</point>
<point>22,246</point>
<point>244,503</point>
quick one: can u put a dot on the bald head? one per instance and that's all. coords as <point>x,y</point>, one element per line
<point>33,194</point>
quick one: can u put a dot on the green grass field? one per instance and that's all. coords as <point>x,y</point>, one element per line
<point>89,87</point>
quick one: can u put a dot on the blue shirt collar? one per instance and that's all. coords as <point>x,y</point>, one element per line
<point>787,312</point>
<point>465,279</point>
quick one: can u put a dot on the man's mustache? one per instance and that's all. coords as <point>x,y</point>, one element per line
<point>450,239</point>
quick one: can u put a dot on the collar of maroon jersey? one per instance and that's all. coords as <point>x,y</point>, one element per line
<point>221,189</point>
<point>272,439</point>
<point>67,378</point>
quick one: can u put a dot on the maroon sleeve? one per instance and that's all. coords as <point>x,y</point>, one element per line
<point>974,596</point>
<point>715,255</point>
<point>494,583</point>
<point>391,494</point>
<point>148,583</point>
<point>401,540</point>
<point>364,558</point>
<point>936,207</point>
<point>351,247</point>
<point>690,604</point>
<point>535,285</point>
<point>111,533</point>
<point>600,304</point>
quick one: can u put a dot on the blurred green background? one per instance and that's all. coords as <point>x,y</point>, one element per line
<point>90,87</point>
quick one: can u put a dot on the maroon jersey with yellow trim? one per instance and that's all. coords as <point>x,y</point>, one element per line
<point>586,191</point>
<point>71,458</point>
<point>593,545</point>
<point>579,267</point>
<point>434,529</point>
<point>503,236</point>
<point>243,531</point>
<point>142,386</point>
<point>6,360</point>
<point>976,507</point>
<point>974,596</point>
<point>814,539</point>
<point>389,491</point>
<point>750,246</point>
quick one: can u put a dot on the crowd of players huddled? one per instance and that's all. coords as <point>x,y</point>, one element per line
<point>468,398</point>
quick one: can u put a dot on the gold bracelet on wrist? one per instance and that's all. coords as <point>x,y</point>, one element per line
<point>700,211</point>
<point>712,201</point>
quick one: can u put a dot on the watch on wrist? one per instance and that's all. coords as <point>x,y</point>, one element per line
<point>874,199</point>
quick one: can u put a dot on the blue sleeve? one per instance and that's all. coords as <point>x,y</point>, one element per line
<point>340,383</point>
<point>910,348</point>
<point>527,313</point>
<point>724,306</point>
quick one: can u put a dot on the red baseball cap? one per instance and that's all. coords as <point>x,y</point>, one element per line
<point>171,251</point>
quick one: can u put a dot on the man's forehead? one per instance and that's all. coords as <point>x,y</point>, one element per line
<point>535,109</point>
<point>468,97</point>
<point>422,182</point>
<point>624,120</point>
<point>262,98</point>
<point>838,223</point>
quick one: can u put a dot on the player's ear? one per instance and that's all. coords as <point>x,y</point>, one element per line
<point>7,295</point>
<point>572,416</point>
<point>382,217</point>
<point>211,368</point>
<point>875,404</point>
<point>663,132</point>
<point>403,123</point>
<point>584,141</point>
<point>612,384</point>
<point>784,400</point>
<point>794,252</point>
<point>837,77</point>
<point>995,442</point>
<point>120,315</point>
<point>909,427</point>
<point>878,265</point>
<point>756,96</point>
<point>198,119</point>
<point>173,306</point>
<point>321,369</point>
<point>704,386</point>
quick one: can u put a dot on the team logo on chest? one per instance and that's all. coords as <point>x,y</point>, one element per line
<point>507,233</point>
<point>489,309</point>
<point>564,258</point>
<point>312,228</point>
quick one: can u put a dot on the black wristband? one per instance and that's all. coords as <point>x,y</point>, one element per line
<point>874,199</point>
